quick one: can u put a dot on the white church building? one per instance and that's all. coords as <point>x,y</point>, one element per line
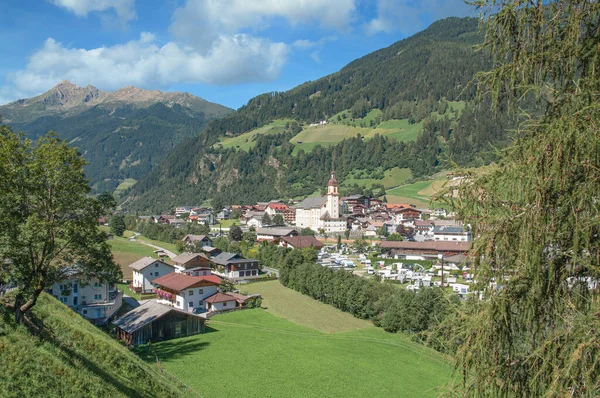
<point>322,213</point>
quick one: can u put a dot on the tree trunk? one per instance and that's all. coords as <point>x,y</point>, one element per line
<point>17,308</point>
<point>23,309</point>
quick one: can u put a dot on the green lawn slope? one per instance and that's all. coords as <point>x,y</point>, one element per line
<point>299,347</point>
<point>72,358</point>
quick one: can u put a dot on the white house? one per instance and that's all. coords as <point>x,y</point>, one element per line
<point>451,233</point>
<point>94,300</point>
<point>220,302</point>
<point>146,270</point>
<point>322,212</point>
<point>185,292</point>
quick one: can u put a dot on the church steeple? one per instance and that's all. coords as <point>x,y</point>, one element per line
<point>332,197</point>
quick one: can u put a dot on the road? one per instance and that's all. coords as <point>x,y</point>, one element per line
<point>167,252</point>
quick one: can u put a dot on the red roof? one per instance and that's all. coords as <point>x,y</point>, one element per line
<point>178,282</point>
<point>220,298</point>
<point>332,180</point>
<point>277,206</point>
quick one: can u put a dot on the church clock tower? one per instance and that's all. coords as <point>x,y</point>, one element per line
<point>333,200</point>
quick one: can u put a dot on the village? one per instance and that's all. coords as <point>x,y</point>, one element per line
<point>394,243</point>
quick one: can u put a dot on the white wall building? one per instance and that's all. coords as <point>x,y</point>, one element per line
<point>322,212</point>
<point>185,292</point>
<point>146,270</point>
<point>94,300</point>
<point>451,233</point>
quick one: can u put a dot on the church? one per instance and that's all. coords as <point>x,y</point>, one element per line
<point>322,213</point>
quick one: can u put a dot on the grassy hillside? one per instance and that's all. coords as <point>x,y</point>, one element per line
<point>72,358</point>
<point>418,193</point>
<point>246,141</point>
<point>303,310</point>
<point>278,358</point>
<point>391,178</point>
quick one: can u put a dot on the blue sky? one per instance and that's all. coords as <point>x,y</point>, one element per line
<point>226,51</point>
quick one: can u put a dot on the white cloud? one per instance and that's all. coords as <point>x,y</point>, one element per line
<point>200,22</point>
<point>304,44</point>
<point>234,59</point>
<point>407,16</point>
<point>124,9</point>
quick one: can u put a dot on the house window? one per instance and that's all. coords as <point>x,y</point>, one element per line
<point>225,304</point>
<point>75,287</point>
<point>63,300</point>
<point>156,273</point>
<point>178,303</point>
<point>191,304</point>
<point>191,292</point>
<point>97,296</point>
<point>156,265</point>
<point>84,312</point>
<point>74,300</point>
<point>200,291</point>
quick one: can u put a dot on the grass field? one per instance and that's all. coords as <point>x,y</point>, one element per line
<point>72,358</point>
<point>392,178</point>
<point>246,141</point>
<point>418,193</point>
<point>303,310</point>
<point>126,184</point>
<point>278,358</point>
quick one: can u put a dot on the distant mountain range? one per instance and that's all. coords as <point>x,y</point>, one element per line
<point>123,134</point>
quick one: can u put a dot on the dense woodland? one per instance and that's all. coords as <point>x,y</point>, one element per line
<point>413,79</point>
<point>121,142</point>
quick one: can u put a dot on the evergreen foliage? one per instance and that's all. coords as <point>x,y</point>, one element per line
<point>536,330</point>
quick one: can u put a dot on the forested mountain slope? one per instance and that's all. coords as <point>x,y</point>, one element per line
<point>122,134</point>
<point>412,80</point>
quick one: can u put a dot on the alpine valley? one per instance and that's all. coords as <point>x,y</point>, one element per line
<point>399,114</point>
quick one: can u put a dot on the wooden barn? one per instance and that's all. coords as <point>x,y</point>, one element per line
<point>155,322</point>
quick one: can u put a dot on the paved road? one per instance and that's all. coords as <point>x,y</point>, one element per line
<point>271,271</point>
<point>169,253</point>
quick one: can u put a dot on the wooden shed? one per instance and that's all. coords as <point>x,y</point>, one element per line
<point>155,322</point>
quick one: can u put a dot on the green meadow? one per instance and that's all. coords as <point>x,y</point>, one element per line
<point>296,348</point>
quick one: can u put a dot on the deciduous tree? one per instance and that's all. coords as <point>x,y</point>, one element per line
<point>48,221</point>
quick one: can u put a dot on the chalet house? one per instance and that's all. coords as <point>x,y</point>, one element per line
<point>252,218</point>
<point>194,240</point>
<point>274,233</point>
<point>152,321</point>
<point>406,214</point>
<point>300,242</point>
<point>358,210</point>
<point>221,302</point>
<point>162,219</point>
<point>350,202</point>
<point>289,216</point>
<point>233,265</point>
<point>376,203</point>
<point>199,210</point>
<point>195,264</point>
<point>211,251</point>
<point>185,292</point>
<point>179,211</point>
<point>145,271</point>
<point>96,301</point>
<point>274,208</point>
<point>451,233</point>
<point>424,227</point>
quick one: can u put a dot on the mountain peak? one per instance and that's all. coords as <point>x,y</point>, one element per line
<point>66,84</point>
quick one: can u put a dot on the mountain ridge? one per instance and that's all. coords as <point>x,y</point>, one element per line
<point>67,99</point>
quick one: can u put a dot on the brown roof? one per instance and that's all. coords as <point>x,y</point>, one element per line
<point>220,298</point>
<point>178,282</point>
<point>301,242</point>
<point>144,262</point>
<point>430,245</point>
<point>186,257</point>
